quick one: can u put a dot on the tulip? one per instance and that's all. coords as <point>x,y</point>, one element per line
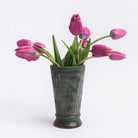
<point>85,33</point>
<point>27,52</point>
<point>100,50</point>
<point>84,44</point>
<point>75,26</point>
<point>39,45</point>
<point>117,33</point>
<point>24,42</point>
<point>115,55</point>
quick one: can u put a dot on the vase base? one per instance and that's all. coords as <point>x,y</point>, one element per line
<point>67,122</point>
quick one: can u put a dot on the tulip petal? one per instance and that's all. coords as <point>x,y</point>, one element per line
<point>24,42</point>
<point>100,50</point>
<point>27,52</point>
<point>75,26</point>
<point>115,55</point>
<point>117,33</point>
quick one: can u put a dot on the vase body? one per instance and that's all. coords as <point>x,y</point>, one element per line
<point>67,86</point>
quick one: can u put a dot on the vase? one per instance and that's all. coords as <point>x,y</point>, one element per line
<point>67,87</point>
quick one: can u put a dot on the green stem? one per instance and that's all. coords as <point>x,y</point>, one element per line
<point>53,61</point>
<point>36,54</point>
<point>44,51</point>
<point>85,51</point>
<point>77,48</point>
<point>48,54</point>
<point>80,45</point>
<point>100,39</point>
<point>84,60</point>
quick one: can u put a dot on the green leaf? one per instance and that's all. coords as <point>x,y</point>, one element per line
<point>71,53</point>
<point>68,60</point>
<point>74,61</point>
<point>73,47</point>
<point>56,52</point>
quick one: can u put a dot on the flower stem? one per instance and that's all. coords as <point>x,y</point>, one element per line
<point>80,45</point>
<point>44,51</point>
<point>100,39</point>
<point>77,48</point>
<point>84,60</point>
<point>53,61</point>
<point>31,53</point>
<point>85,51</point>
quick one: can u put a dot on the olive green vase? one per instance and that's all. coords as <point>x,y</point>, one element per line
<point>67,86</point>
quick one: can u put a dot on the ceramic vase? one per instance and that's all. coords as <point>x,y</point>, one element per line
<point>67,87</point>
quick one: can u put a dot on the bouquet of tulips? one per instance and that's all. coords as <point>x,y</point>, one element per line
<point>78,52</point>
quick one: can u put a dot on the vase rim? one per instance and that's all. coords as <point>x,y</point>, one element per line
<point>68,66</point>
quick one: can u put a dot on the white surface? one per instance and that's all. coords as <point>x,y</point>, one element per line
<point>109,105</point>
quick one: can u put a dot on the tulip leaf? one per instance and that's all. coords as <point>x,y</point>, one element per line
<point>70,51</point>
<point>56,52</point>
<point>73,47</point>
<point>70,60</point>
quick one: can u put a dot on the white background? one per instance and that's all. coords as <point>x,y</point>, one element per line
<point>110,95</point>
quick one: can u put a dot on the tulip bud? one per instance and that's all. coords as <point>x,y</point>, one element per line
<point>39,45</point>
<point>84,44</point>
<point>115,55</point>
<point>27,52</point>
<point>24,42</point>
<point>117,33</point>
<point>101,50</point>
<point>75,26</point>
<point>85,32</point>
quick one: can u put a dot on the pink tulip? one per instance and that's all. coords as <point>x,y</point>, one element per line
<point>85,32</point>
<point>100,50</point>
<point>24,42</point>
<point>32,54</point>
<point>39,45</point>
<point>115,55</point>
<point>117,33</point>
<point>84,44</point>
<point>75,26</point>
